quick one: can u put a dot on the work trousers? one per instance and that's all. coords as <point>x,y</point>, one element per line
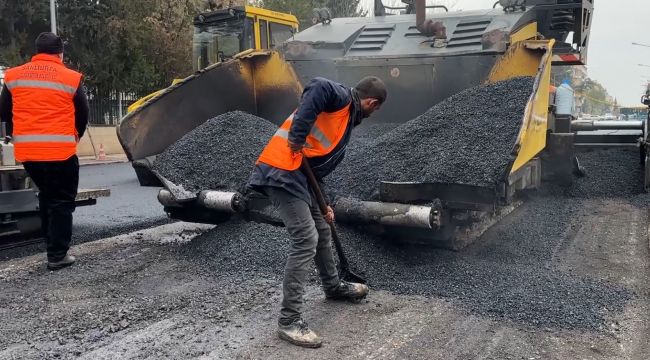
<point>57,183</point>
<point>311,239</point>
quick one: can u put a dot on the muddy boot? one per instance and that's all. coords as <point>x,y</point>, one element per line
<point>65,262</point>
<point>347,291</point>
<point>299,333</point>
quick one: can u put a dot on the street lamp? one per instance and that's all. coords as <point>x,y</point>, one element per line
<point>638,44</point>
<point>644,65</point>
<point>53,15</point>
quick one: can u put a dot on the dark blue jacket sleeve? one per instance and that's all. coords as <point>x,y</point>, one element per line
<point>320,95</point>
<point>81,110</point>
<point>6,111</point>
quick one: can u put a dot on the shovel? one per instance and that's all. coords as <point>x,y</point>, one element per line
<point>344,266</point>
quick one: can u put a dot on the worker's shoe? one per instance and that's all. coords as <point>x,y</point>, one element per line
<point>347,291</point>
<point>299,333</point>
<point>65,262</point>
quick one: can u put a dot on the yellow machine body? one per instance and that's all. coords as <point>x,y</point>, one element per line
<point>258,82</point>
<point>260,20</point>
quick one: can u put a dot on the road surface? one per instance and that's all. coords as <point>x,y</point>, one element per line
<point>130,207</point>
<point>565,276</point>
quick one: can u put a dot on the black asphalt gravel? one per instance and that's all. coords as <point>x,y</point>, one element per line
<point>510,272</point>
<point>466,139</point>
<point>618,170</point>
<point>217,155</point>
<point>130,207</point>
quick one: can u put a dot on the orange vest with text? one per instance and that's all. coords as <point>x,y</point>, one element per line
<point>42,92</point>
<point>327,132</point>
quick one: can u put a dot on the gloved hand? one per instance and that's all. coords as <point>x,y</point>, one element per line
<point>7,139</point>
<point>296,148</point>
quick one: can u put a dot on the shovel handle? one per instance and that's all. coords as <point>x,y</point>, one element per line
<point>322,204</point>
<point>313,184</point>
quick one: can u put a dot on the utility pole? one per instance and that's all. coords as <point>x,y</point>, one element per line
<point>53,15</point>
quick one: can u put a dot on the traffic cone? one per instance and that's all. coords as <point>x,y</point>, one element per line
<point>102,153</point>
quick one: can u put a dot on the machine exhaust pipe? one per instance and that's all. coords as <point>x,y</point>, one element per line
<point>390,214</point>
<point>428,27</point>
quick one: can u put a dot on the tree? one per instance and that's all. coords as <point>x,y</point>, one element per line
<point>20,22</point>
<point>123,45</point>
<point>341,8</point>
<point>302,9</point>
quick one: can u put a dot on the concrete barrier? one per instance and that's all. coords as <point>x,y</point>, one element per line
<point>104,135</point>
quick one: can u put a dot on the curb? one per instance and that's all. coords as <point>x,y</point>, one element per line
<point>93,162</point>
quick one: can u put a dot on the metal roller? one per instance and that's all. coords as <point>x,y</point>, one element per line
<point>591,125</point>
<point>392,214</point>
<point>219,200</point>
<point>222,201</point>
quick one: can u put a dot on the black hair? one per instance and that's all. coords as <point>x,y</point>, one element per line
<point>372,87</point>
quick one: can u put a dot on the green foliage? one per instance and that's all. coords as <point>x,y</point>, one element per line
<point>20,22</point>
<point>595,98</point>
<point>124,45</point>
<point>302,9</point>
<point>341,8</point>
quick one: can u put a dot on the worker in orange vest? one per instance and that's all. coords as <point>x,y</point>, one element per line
<point>319,129</point>
<point>46,111</point>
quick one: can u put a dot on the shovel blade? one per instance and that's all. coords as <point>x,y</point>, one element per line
<point>349,276</point>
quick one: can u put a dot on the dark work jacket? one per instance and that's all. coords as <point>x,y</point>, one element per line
<point>321,95</point>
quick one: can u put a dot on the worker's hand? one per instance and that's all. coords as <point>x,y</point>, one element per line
<point>296,148</point>
<point>329,215</point>
<point>7,139</point>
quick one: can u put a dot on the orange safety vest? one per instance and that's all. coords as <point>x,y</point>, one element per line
<point>327,132</point>
<point>42,91</point>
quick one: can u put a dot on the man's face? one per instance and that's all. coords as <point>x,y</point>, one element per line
<point>369,106</point>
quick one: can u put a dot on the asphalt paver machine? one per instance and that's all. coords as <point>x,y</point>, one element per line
<point>423,59</point>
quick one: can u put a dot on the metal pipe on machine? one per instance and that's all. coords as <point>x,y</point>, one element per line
<point>392,214</point>
<point>222,201</point>
<point>592,125</point>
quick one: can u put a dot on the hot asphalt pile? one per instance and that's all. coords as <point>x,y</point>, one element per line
<point>618,171</point>
<point>465,139</point>
<point>513,272</point>
<point>510,273</point>
<point>217,155</point>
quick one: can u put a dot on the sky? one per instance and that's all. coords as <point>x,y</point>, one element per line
<point>612,59</point>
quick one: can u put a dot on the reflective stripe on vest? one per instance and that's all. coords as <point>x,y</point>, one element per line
<point>325,135</point>
<point>315,132</point>
<point>41,84</point>
<point>44,139</point>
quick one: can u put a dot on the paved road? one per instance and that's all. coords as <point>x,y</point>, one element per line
<point>130,207</point>
<point>162,295</point>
